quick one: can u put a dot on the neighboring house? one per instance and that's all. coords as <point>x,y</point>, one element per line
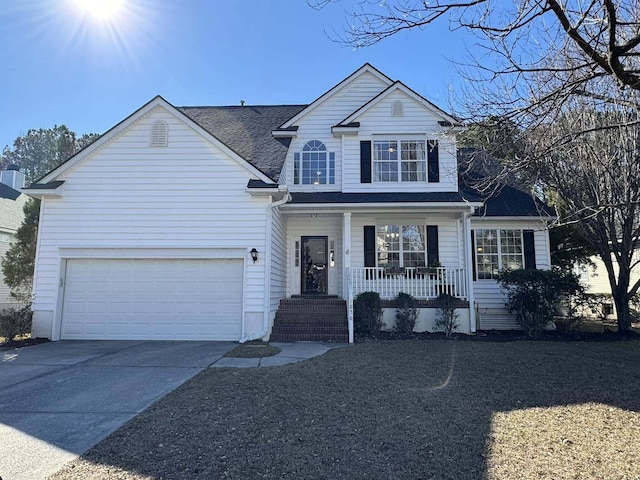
<point>11,216</point>
<point>596,280</point>
<point>202,223</point>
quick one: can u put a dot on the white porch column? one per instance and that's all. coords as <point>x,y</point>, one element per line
<point>347,288</point>
<point>466,222</point>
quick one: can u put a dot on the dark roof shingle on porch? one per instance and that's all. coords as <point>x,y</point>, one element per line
<point>247,131</point>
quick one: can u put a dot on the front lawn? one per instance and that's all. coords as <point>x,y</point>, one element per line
<point>427,409</point>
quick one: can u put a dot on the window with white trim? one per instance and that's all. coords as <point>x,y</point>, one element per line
<point>401,245</point>
<point>497,249</point>
<point>314,165</point>
<point>408,166</point>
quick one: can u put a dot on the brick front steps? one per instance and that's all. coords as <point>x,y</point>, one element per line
<point>311,319</point>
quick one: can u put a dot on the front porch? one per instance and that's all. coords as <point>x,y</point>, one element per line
<point>422,251</point>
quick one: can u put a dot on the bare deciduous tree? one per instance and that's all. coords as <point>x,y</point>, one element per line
<point>596,172</point>
<point>566,75</point>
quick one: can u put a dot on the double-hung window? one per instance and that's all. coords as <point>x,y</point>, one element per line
<point>401,245</point>
<point>314,165</point>
<point>498,249</point>
<point>398,160</point>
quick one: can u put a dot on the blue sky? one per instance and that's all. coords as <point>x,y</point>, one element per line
<point>63,66</point>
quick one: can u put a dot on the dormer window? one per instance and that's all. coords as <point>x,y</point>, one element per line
<point>314,165</point>
<point>158,136</point>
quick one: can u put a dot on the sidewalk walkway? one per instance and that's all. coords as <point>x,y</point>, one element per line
<point>291,353</point>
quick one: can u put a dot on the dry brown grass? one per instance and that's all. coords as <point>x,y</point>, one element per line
<point>428,409</point>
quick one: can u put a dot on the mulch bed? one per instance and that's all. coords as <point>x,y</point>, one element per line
<point>394,409</point>
<point>27,342</point>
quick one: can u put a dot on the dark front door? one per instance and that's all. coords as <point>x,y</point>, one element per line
<point>314,265</point>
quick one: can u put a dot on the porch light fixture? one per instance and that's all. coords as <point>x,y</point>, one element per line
<point>254,255</point>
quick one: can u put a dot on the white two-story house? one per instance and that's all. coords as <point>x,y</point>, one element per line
<point>216,223</point>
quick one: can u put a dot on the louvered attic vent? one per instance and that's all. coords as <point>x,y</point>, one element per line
<point>396,109</point>
<point>158,135</point>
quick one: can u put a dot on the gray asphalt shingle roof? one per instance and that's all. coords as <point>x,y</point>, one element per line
<point>247,131</point>
<point>11,204</point>
<point>381,197</point>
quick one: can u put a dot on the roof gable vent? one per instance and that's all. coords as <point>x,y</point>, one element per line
<point>396,109</point>
<point>158,136</point>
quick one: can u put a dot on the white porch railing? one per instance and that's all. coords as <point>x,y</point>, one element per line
<point>420,282</point>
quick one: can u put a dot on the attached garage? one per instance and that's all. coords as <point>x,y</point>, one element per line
<point>153,299</point>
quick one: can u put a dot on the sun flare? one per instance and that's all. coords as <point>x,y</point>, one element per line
<point>100,9</point>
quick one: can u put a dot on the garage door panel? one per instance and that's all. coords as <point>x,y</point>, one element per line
<point>153,299</point>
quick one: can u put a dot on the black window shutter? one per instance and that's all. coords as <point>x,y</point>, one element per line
<point>433,163</point>
<point>369,246</point>
<point>529,249</point>
<point>432,244</point>
<point>365,162</point>
<point>473,254</point>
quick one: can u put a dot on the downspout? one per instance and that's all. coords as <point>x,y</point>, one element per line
<point>267,269</point>
<point>469,263</point>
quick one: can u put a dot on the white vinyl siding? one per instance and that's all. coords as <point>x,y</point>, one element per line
<point>278,258</point>
<point>416,123</point>
<point>189,194</point>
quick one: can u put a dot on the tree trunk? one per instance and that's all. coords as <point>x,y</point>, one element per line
<point>623,311</point>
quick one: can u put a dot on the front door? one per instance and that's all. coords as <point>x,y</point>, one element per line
<point>314,265</point>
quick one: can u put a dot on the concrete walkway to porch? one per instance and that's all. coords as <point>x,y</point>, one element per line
<point>290,353</point>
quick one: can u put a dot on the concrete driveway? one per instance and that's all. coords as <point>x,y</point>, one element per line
<point>59,399</point>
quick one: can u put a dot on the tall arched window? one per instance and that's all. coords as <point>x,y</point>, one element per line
<point>315,166</point>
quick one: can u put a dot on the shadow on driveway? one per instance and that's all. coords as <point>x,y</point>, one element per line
<point>58,399</point>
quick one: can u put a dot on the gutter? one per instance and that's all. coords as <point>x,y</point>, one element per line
<point>267,269</point>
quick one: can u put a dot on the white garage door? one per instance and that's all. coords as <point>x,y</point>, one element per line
<point>157,299</point>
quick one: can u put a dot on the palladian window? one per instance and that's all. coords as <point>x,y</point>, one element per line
<point>314,165</point>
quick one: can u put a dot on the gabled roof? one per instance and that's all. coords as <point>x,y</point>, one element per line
<point>399,86</point>
<point>366,68</point>
<point>247,131</point>
<point>135,116</point>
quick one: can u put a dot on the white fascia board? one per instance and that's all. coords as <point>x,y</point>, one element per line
<point>284,133</point>
<point>45,192</point>
<point>406,90</point>
<point>337,131</point>
<point>365,68</point>
<point>277,193</point>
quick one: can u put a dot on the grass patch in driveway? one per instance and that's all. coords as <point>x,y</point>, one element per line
<point>396,409</point>
<point>254,350</point>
